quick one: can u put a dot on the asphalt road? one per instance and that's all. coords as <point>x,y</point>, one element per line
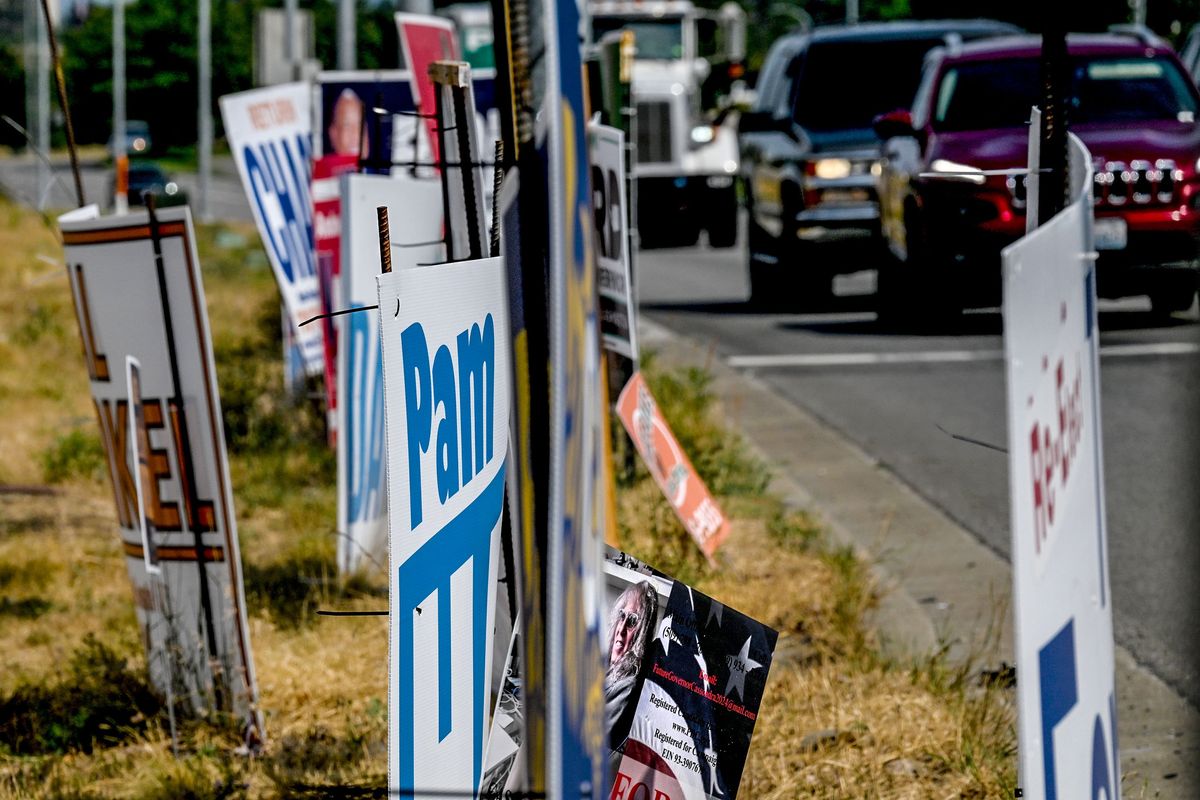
<point>19,180</point>
<point>900,396</point>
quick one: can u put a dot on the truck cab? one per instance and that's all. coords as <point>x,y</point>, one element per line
<point>686,65</point>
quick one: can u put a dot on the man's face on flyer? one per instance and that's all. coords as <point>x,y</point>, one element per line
<point>628,618</point>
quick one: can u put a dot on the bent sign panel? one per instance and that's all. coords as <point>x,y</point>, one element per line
<point>138,293</point>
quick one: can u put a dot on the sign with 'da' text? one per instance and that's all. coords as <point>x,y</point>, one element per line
<point>415,211</point>
<point>1067,718</point>
<point>445,338</point>
<point>269,132</point>
<point>140,305</point>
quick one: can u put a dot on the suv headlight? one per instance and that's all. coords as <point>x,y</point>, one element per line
<point>952,170</point>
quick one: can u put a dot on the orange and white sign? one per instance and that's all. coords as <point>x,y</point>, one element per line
<point>670,466</point>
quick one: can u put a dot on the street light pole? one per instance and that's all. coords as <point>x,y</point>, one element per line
<point>851,12</point>
<point>121,198</point>
<point>204,154</point>
<point>345,53</point>
<point>289,34</point>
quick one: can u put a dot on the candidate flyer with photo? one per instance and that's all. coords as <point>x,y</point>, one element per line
<point>684,681</point>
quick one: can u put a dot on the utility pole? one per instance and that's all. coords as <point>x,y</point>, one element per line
<point>851,12</point>
<point>346,34</point>
<point>204,146</point>
<point>1139,11</point>
<point>289,35</point>
<point>121,199</point>
<point>37,93</point>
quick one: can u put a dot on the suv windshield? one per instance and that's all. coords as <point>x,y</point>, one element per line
<point>657,39</point>
<point>845,85</point>
<point>998,94</point>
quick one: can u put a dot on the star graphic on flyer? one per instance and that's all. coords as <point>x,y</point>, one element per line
<point>663,634</point>
<point>714,610</point>
<point>739,666</point>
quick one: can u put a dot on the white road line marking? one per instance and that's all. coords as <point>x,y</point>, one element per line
<point>938,356</point>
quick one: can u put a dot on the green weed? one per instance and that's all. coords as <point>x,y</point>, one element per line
<point>75,454</point>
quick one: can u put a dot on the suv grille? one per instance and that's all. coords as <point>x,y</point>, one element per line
<point>1118,184</point>
<point>1137,183</point>
<point>653,132</point>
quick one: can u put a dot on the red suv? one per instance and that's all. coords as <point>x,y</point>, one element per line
<point>946,214</point>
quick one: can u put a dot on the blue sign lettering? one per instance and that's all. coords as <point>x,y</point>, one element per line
<point>279,182</point>
<point>466,431</point>
<point>364,442</point>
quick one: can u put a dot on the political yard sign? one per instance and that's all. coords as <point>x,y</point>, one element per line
<point>610,206</point>
<point>269,132</point>
<point>1068,745</point>
<point>670,466</point>
<point>446,374</point>
<point>685,677</point>
<point>140,306</point>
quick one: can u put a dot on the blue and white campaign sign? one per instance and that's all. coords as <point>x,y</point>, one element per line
<point>574,754</point>
<point>415,211</point>
<point>1068,743</point>
<point>445,341</point>
<point>269,132</point>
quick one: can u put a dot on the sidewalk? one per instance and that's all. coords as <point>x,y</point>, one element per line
<point>941,586</point>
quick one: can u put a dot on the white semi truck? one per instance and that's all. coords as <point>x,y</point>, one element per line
<point>687,65</point>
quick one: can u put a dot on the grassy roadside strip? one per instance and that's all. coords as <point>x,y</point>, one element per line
<point>77,719</point>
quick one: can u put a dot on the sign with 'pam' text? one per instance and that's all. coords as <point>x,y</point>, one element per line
<point>269,132</point>
<point>140,306</point>
<point>1068,744</point>
<point>445,338</point>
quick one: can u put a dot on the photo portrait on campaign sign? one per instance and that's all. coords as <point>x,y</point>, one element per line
<point>684,680</point>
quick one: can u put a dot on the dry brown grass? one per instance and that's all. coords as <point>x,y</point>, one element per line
<point>892,732</point>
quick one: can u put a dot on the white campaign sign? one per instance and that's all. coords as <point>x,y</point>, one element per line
<point>1068,744</point>
<point>415,213</point>
<point>610,205</point>
<point>269,132</point>
<point>446,373</point>
<point>165,447</point>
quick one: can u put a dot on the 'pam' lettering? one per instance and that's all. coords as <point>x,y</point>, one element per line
<point>459,390</point>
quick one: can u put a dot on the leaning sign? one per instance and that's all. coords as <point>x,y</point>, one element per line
<point>140,307</point>
<point>1063,606</point>
<point>446,378</point>
<point>269,133</point>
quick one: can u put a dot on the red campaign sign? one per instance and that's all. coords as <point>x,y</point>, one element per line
<point>670,466</point>
<point>327,244</point>
<point>424,40</point>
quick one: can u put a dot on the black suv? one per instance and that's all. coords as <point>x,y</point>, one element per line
<point>809,156</point>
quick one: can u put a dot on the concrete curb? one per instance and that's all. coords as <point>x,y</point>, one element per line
<point>940,586</point>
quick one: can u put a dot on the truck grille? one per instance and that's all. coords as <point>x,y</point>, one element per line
<point>653,133</point>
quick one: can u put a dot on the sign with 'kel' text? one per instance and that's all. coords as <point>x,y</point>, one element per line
<point>269,132</point>
<point>446,374</point>
<point>670,466</point>
<point>140,306</point>
<point>1068,744</point>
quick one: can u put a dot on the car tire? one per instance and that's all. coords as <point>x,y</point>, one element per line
<point>1173,298</point>
<point>769,289</point>
<point>723,219</point>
